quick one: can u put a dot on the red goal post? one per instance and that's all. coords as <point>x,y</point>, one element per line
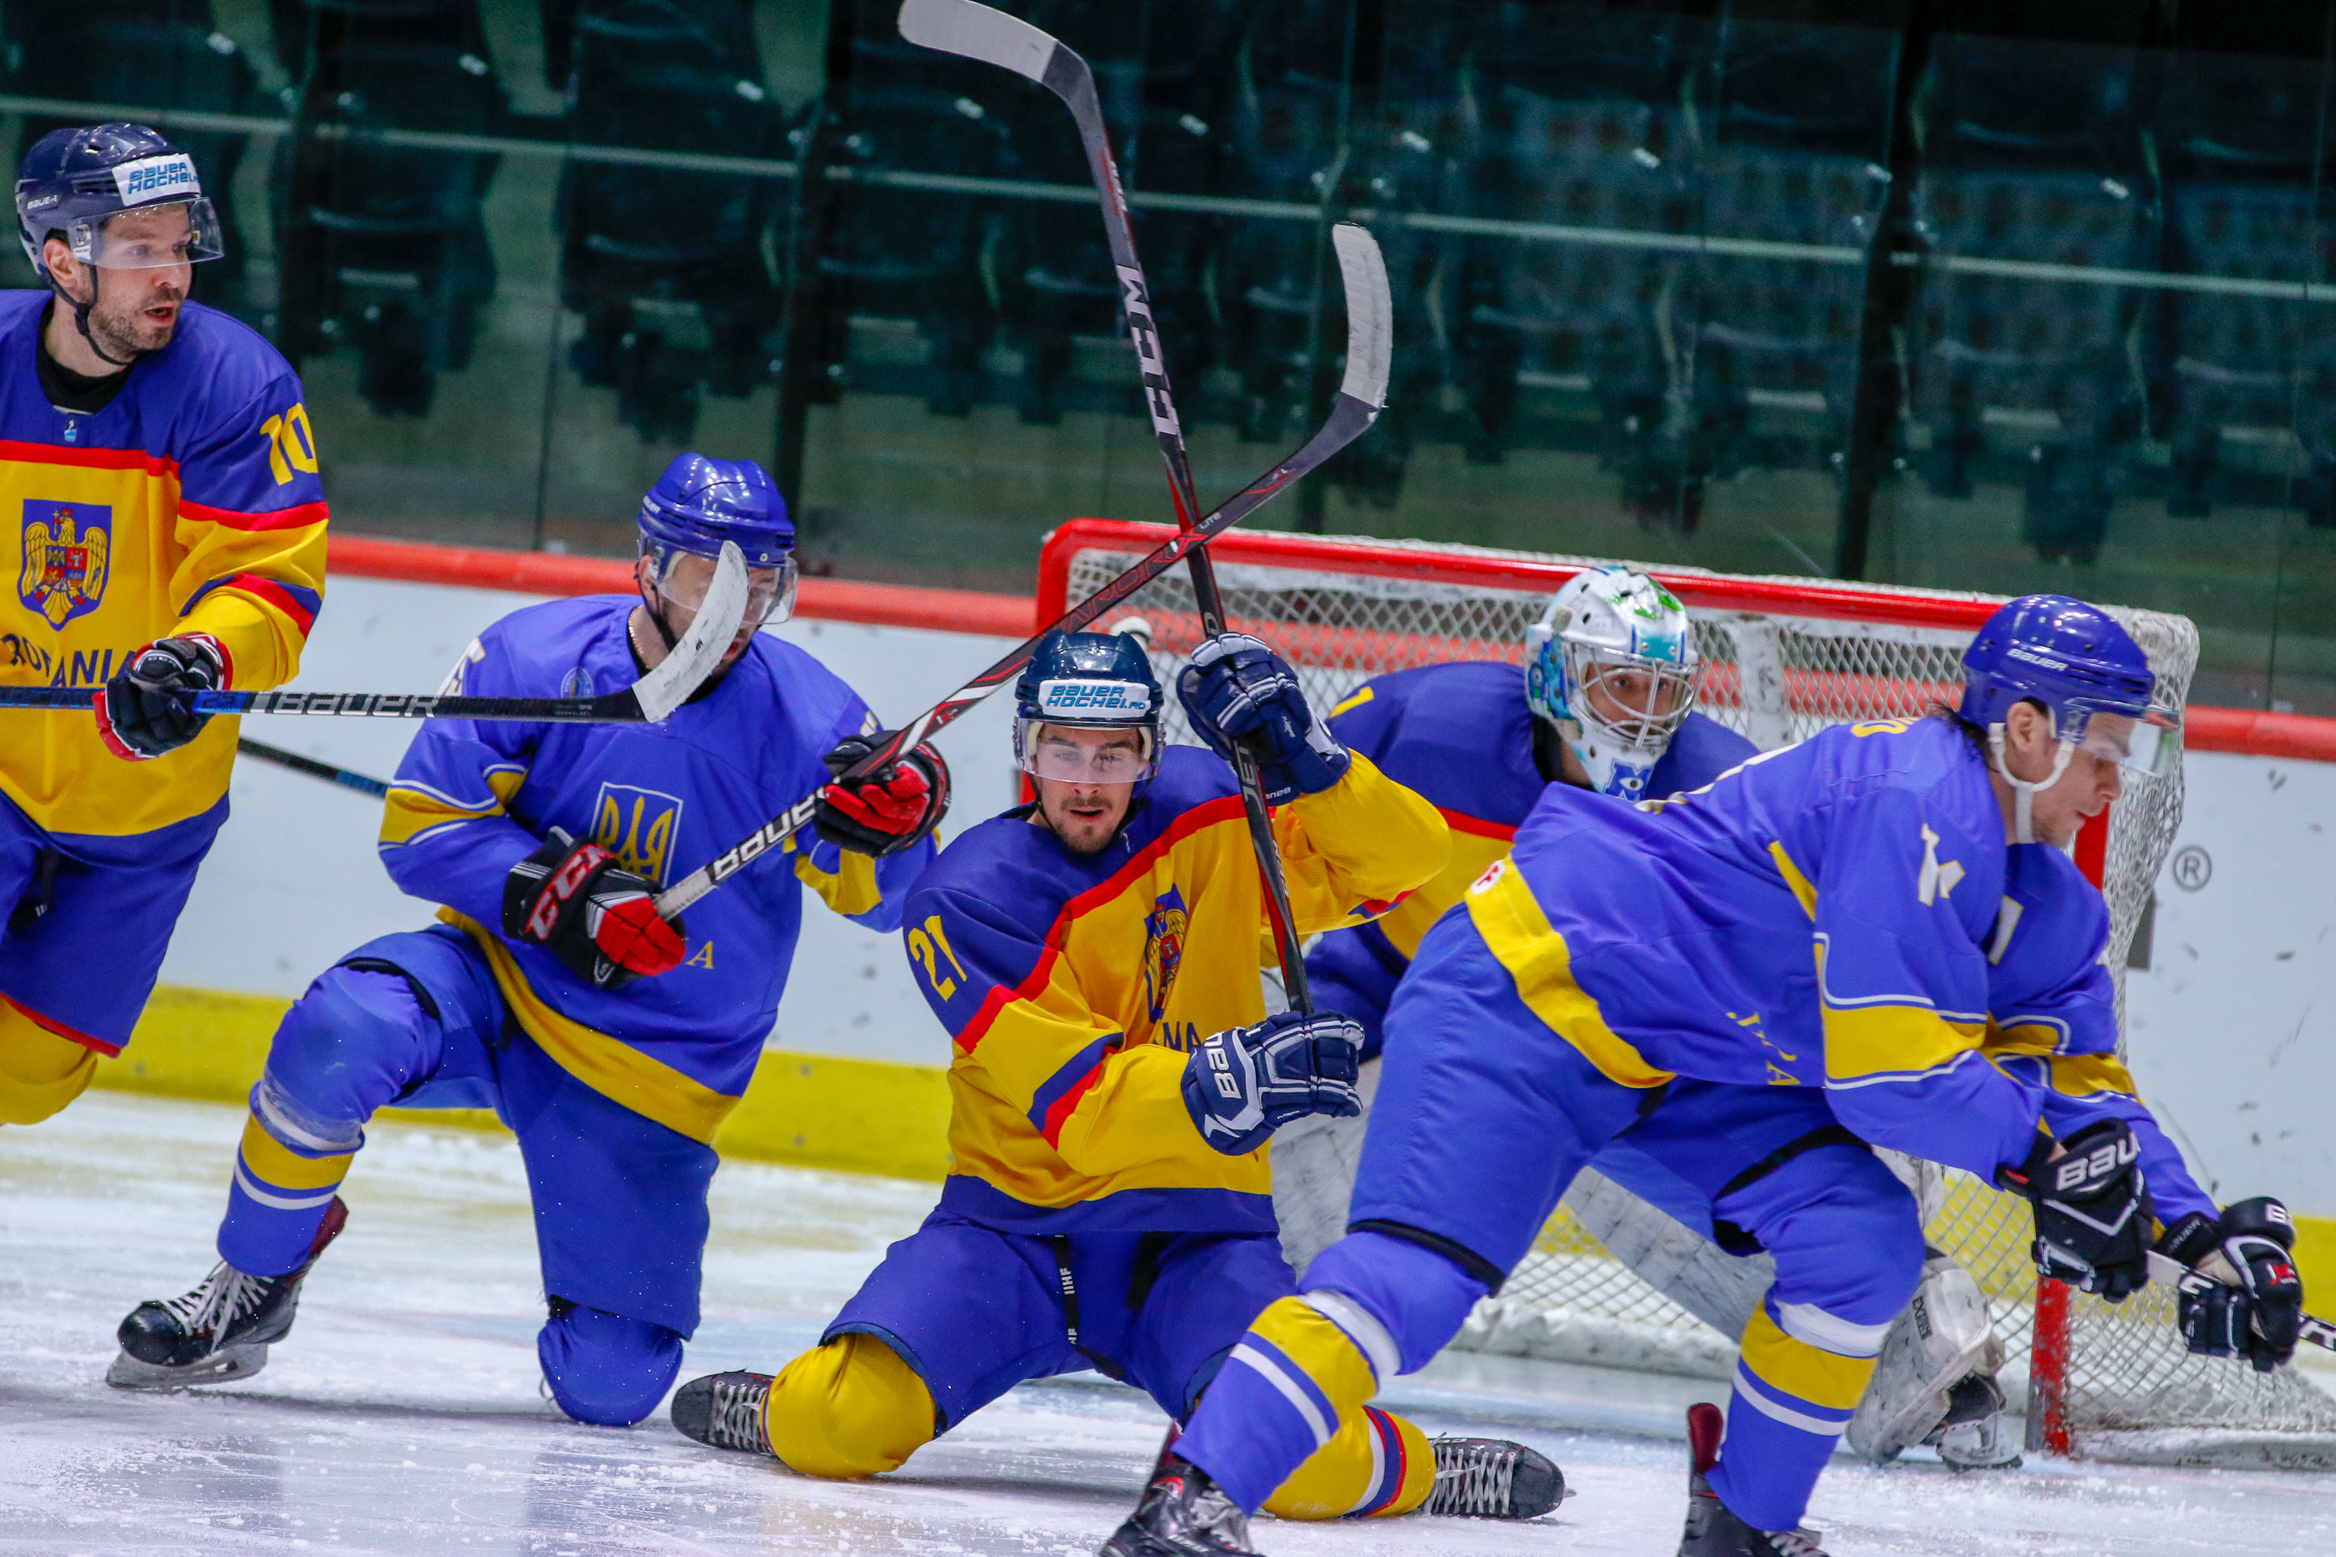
<point>1783,657</point>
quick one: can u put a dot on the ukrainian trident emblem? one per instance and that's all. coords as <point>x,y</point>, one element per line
<point>65,546</point>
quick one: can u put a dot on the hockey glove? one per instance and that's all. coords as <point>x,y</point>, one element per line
<point>599,919</point>
<point>1247,1082</point>
<point>148,708</point>
<point>2093,1213</point>
<point>2257,1307</point>
<point>1238,690</point>
<point>886,811</point>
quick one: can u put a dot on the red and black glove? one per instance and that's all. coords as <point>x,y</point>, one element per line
<point>2256,1308</point>
<point>886,811</point>
<point>147,709</point>
<point>599,919</point>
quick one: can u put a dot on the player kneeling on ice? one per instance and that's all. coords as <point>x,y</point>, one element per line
<point>1725,996</point>
<point>611,1040</point>
<point>1114,1083</point>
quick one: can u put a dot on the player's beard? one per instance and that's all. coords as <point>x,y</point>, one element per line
<point>120,328</point>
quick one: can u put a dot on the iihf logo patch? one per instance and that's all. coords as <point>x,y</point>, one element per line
<point>65,549</point>
<point>638,826</point>
<point>1164,929</point>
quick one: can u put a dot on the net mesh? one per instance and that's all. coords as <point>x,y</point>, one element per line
<point>1339,617</point>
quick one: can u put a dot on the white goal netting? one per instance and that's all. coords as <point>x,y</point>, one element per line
<point>1784,658</point>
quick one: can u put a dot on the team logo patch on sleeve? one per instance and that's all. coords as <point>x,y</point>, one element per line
<point>65,547</point>
<point>1163,949</point>
<point>638,826</point>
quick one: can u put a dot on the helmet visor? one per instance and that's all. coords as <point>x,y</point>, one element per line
<point>148,237</point>
<point>2143,746</point>
<point>1640,700</point>
<point>1087,754</point>
<point>770,592</point>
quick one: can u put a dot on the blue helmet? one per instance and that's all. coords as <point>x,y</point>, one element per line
<point>2075,661</point>
<point>1089,680</point>
<point>699,503</point>
<point>71,181</point>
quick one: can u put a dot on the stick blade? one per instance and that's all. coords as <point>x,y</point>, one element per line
<point>701,648</point>
<point>974,31</point>
<point>1370,313</point>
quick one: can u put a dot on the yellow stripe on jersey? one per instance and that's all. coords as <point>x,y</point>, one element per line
<point>412,811</point>
<point>1820,1377</point>
<point>1408,922</point>
<point>272,1162</point>
<point>1521,937</point>
<point>851,889</point>
<point>1796,879</point>
<point>2083,1075</point>
<point>1355,701</point>
<point>1863,1043</point>
<point>609,1066</point>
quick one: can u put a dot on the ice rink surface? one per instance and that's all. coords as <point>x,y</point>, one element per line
<point>404,1413</point>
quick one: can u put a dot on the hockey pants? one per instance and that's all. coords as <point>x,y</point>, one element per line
<point>959,1313</point>
<point>1484,1116</point>
<point>416,1021</point>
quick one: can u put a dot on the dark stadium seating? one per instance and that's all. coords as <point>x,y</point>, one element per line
<point>380,246</point>
<point>644,245</point>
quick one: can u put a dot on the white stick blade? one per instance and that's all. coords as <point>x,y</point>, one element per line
<point>701,648</point>
<point>977,32</point>
<point>1370,313</point>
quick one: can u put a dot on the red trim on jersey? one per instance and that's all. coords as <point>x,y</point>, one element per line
<point>1068,1103</point>
<point>275,595</point>
<point>52,1025</point>
<point>298,516</point>
<point>13,449</point>
<point>1476,826</point>
<point>1207,814</point>
<point>1391,1486</point>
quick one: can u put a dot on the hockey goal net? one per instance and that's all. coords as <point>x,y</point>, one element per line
<point>1784,658</point>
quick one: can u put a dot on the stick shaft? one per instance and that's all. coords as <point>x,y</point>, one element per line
<point>609,708</point>
<point>346,778</point>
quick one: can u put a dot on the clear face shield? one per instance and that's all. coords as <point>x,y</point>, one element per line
<point>1086,754</point>
<point>2142,747</point>
<point>684,577</point>
<point>180,232</point>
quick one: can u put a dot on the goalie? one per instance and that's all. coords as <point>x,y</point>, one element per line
<point>1748,986</point>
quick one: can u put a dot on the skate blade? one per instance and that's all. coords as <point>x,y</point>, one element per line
<point>223,1367</point>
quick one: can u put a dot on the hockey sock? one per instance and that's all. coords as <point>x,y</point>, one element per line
<point>1283,1393</point>
<point>1791,1404</point>
<point>39,1072</point>
<point>1375,1465</point>
<point>280,1194</point>
<point>847,1409</point>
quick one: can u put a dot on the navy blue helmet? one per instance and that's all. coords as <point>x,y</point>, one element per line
<point>1090,681</point>
<point>72,181</point>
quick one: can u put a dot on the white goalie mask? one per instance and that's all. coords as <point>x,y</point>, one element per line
<point>1611,664</point>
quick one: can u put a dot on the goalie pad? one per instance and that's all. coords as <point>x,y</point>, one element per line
<point>1944,1336</point>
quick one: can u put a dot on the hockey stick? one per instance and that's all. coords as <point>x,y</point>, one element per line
<point>649,700</point>
<point>313,768</point>
<point>2168,1271</point>
<point>1351,414</point>
<point>974,31</point>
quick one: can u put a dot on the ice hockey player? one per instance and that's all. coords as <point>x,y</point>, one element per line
<point>157,468</point>
<point>1744,986</point>
<point>611,1041</point>
<point>1115,1079</point>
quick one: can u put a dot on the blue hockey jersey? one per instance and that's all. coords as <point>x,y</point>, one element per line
<point>1461,736</point>
<point>1819,916</point>
<point>473,798</point>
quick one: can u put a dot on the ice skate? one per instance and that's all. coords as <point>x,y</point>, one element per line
<point>1972,1436</point>
<point>1712,1529</point>
<point>724,1410</point>
<point>1183,1514</point>
<point>1492,1478</point>
<point>219,1332</point>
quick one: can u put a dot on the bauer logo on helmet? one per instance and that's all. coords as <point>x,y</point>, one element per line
<point>155,178</point>
<point>1093,699</point>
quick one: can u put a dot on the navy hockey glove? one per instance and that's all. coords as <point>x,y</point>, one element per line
<point>2257,1306</point>
<point>1247,1082</point>
<point>148,708</point>
<point>2093,1213</point>
<point>886,811</point>
<point>599,919</point>
<point>1237,689</point>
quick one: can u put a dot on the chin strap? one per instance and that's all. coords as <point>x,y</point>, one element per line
<point>81,319</point>
<point>2024,791</point>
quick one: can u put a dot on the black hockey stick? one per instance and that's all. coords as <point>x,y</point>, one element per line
<point>2168,1271</point>
<point>347,779</point>
<point>974,31</point>
<point>1351,414</point>
<point>651,699</point>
